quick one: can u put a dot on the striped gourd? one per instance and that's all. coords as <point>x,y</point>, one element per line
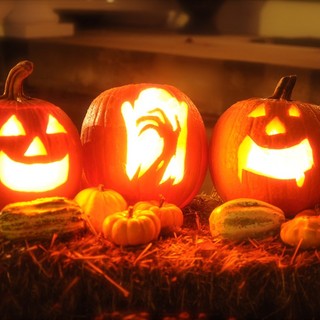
<point>40,218</point>
<point>243,218</point>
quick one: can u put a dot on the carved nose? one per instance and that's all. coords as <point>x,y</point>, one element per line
<point>275,126</point>
<point>36,148</point>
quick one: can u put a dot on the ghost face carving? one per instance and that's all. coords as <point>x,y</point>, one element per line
<point>268,149</point>
<point>145,140</point>
<point>156,126</point>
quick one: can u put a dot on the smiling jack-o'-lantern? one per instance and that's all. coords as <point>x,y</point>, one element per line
<point>40,150</point>
<point>144,140</point>
<point>268,149</point>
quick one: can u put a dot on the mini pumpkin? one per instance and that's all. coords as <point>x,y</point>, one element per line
<point>97,203</point>
<point>170,215</point>
<point>40,149</point>
<point>302,230</point>
<point>132,227</point>
<point>143,140</point>
<point>308,212</point>
<point>268,149</point>
<point>244,218</point>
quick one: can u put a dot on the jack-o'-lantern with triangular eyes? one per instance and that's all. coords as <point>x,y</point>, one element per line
<point>40,149</point>
<point>268,149</point>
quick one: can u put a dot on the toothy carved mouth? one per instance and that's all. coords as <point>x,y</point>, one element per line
<point>35,177</point>
<point>284,164</point>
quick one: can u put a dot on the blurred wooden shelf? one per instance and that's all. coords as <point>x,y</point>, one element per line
<point>218,47</point>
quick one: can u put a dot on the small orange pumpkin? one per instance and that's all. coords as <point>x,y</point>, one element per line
<point>308,212</point>
<point>97,203</point>
<point>170,215</point>
<point>132,227</point>
<point>302,230</point>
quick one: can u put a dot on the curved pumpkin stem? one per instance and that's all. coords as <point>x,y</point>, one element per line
<point>284,88</point>
<point>13,89</point>
<point>162,200</point>
<point>101,187</point>
<point>130,212</point>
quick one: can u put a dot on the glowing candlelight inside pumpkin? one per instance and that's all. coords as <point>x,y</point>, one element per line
<point>156,126</point>
<point>143,140</point>
<point>32,176</point>
<point>288,163</point>
<point>268,149</point>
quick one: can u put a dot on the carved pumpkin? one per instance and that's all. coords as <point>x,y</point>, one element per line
<point>131,227</point>
<point>40,149</point>
<point>268,149</point>
<point>143,140</point>
<point>97,203</point>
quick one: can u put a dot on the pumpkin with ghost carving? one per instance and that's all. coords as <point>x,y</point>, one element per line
<point>40,149</point>
<point>268,149</point>
<point>143,140</point>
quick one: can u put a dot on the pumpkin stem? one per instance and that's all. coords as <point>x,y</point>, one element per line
<point>101,187</point>
<point>13,89</point>
<point>284,88</point>
<point>162,200</point>
<point>130,212</point>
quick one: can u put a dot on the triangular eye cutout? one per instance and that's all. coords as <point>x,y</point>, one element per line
<point>54,126</point>
<point>294,111</point>
<point>13,127</point>
<point>259,111</point>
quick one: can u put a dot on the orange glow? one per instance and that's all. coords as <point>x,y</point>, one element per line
<point>156,134</point>
<point>259,111</point>
<point>36,148</point>
<point>294,111</point>
<point>13,127</point>
<point>284,164</point>
<point>35,177</point>
<point>54,126</point>
<point>275,126</point>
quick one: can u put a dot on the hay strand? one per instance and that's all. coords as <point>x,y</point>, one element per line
<point>188,272</point>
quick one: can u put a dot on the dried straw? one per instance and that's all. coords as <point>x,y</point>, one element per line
<point>189,273</point>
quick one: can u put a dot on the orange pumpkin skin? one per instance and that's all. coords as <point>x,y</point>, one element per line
<point>250,122</point>
<point>302,230</point>
<point>97,203</point>
<point>308,212</point>
<point>41,122</point>
<point>131,227</point>
<point>106,140</point>
<point>171,216</point>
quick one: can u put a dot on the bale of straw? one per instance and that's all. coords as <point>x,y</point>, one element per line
<point>190,274</point>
